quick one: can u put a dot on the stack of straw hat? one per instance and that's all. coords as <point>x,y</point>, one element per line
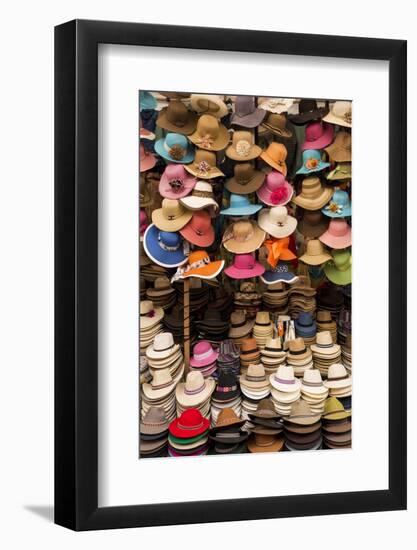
<point>302,428</point>
<point>150,323</point>
<point>212,327</point>
<point>144,372</point>
<point>337,428</point>
<point>344,337</point>
<point>162,294</point>
<point>275,299</point>
<point>325,352</point>
<point>339,382</point>
<point>301,298</point>
<point>153,433</point>
<point>195,393</point>
<point>165,354</point>
<point>254,386</point>
<point>228,359</point>
<point>240,327</point>
<point>286,389</point>
<point>248,299</point>
<point>299,356</point>
<point>188,434</point>
<point>313,391</point>
<point>324,321</point>
<point>226,395</point>
<point>249,354</point>
<point>204,359</point>
<point>263,329</point>
<point>160,392</point>
<point>273,355</point>
<point>227,435</point>
<point>265,429</point>
<point>306,328</point>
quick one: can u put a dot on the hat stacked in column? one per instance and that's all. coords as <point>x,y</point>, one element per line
<point>325,352</point>
<point>263,329</point>
<point>275,299</point>
<point>299,356</point>
<point>313,391</point>
<point>255,386</point>
<point>226,395</point>
<point>165,354</point>
<point>204,358</point>
<point>337,427</point>
<point>324,321</point>
<point>339,382</point>
<point>306,328</point>
<point>330,298</point>
<point>150,323</point>
<point>301,298</point>
<point>153,432</point>
<point>286,389</point>
<point>188,434</point>
<point>160,392</point>
<point>265,428</point>
<point>195,393</point>
<point>272,355</point>
<point>229,357</point>
<point>344,337</point>
<point>212,327</point>
<point>226,435</point>
<point>249,354</point>
<point>302,428</point>
<point>162,294</point>
<point>240,326</point>
<point>248,299</point>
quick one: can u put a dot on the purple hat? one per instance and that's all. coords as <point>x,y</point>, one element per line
<point>318,135</point>
<point>246,113</point>
<point>244,266</point>
<point>176,182</point>
<point>203,354</point>
<point>275,191</point>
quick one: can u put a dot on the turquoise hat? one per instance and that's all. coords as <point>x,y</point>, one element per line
<point>146,101</point>
<point>339,206</point>
<point>312,162</point>
<point>240,206</point>
<point>175,148</point>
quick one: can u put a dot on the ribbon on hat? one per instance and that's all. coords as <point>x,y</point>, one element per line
<point>195,265</point>
<point>275,249</point>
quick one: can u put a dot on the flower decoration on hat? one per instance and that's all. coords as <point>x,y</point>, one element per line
<point>203,167</point>
<point>279,195</point>
<point>347,117</point>
<point>311,163</point>
<point>243,148</point>
<point>206,141</point>
<point>177,152</point>
<point>176,185</point>
<point>334,207</point>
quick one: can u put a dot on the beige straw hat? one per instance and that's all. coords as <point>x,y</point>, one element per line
<point>149,315</point>
<point>243,236</point>
<point>316,253</point>
<point>195,391</point>
<point>313,194</point>
<point>172,216</point>
<point>277,222</point>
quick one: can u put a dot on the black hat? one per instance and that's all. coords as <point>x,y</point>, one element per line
<point>308,111</point>
<point>227,387</point>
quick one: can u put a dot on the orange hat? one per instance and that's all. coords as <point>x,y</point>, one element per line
<point>278,250</point>
<point>199,265</point>
<point>275,155</point>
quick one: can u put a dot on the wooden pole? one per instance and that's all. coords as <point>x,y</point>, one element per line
<point>187,325</point>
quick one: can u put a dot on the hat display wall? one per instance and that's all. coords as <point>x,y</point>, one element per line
<point>318,135</point>
<point>342,171</point>
<point>276,104</point>
<point>302,428</point>
<point>201,197</point>
<point>312,224</point>
<point>339,270</point>
<point>153,432</point>
<point>240,206</point>
<point>243,236</point>
<point>165,248</point>
<point>325,352</point>
<point>209,104</point>
<point>199,230</point>
<point>315,253</point>
<point>177,118</point>
<point>275,156</point>
<point>172,216</point>
<point>277,125</point>
<point>210,134</point>
<point>175,148</point>
<point>243,146</point>
<point>246,113</point>
<point>338,234</point>
<point>188,434</point>
<point>277,222</point>
<point>175,182</point>
<point>340,113</point>
<point>308,111</point>
<point>204,165</point>
<point>312,162</point>
<point>244,266</point>
<point>313,194</point>
<point>275,191</point>
<point>199,265</point>
<point>340,205</point>
<point>146,159</point>
<point>246,179</point>
<point>341,149</point>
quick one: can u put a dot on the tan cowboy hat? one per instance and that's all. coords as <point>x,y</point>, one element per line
<point>246,179</point>
<point>163,347</point>
<point>276,123</point>
<point>302,414</point>
<point>172,216</point>
<point>314,195</point>
<point>324,344</point>
<point>275,155</point>
<point>204,165</point>
<point>209,104</point>
<point>277,222</point>
<point>177,118</point>
<point>340,113</point>
<point>243,146</point>
<point>243,236</point>
<point>312,383</point>
<point>195,390</point>
<point>316,253</point>
<point>341,149</point>
<point>150,316</point>
<point>254,378</point>
<point>210,134</point>
<point>161,385</point>
<point>338,377</point>
<point>201,197</point>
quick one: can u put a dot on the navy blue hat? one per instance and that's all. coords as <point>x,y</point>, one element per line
<point>164,248</point>
<point>280,273</point>
<point>305,326</point>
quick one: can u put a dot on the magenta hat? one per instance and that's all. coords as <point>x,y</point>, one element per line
<point>338,234</point>
<point>146,159</point>
<point>203,354</point>
<point>318,135</point>
<point>275,191</point>
<point>176,182</point>
<point>143,221</point>
<point>244,266</point>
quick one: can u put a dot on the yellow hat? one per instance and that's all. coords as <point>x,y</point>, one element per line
<point>334,410</point>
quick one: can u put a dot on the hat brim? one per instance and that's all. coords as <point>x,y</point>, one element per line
<point>247,246</point>
<point>205,362</point>
<point>319,259</point>
<point>151,353</point>
<point>248,210</point>
<point>162,152</point>
<point>226,396</point>
<point>335,241</point>
<point>209,271</point>
<point>218,144</point>
<point>278,108</point>
<point>338,154</point>
<point>316,203</point>
<point>271,277</point>
<point>166,191</point>
<point>282,168</point>
<point>265,195</point>
<point>336,120</point>
<point>215,106</point>
<point>338,415</point>
<point>274,448</point>
<point>345,213</point>
<point>147,162</point>
<point>339,174</point>
<point>213,172</point>
<point>148,323</point>
<point>275,230</point>
<point>198,203</point>
<point>185,400</point>
<point>322,142</point>
<point>338,277</point>
<point>207,239</point>
<point>253,153</point>
<point>303,118</point>
<point>281,132</point>
<point>188,128</point>
<point>251,186</point>
<point>248,121</point>
<point>164,258</point>
<point>240,332</point>
<point>345,383</point>
<point>180,433</point>
<point>235,273</point>
<point>170,225</point>
<point>286,388</point>
<point>321,166</point>
<point>153,395</point>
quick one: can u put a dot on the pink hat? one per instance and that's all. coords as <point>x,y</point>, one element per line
<point>318,135</point>
<point>143,221</point>
<point>175,182</point>
<point>199,230</point>
<point>146,159</point>
<point>144,133</point>
<point>338,234</point>
<point>244,266</point>
<point>275,191</point>
<point>203,354</point>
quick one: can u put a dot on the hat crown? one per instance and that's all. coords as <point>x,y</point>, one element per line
<point>177,113</point>
<point>265,405</point>
<point>202,155</point>
<point>190,418</point>
<point>274,180</point>
<point>244,261</point>
<point>172,139</point>
<point>175,172</point>
<point>323,316</point>
<point>161,283</point>
<point>342,109</point>
<point>324,338</point>
<point>311,154</point>
<point>163,341</point>
<point>226,417</point>
<point>249,344</point>
<point>285,372</point>
<point>312,375</point>
<point>244,105</point>
<point>155,415</point>
<point>341,197</point>
<point>242,230</point>
<point>315,248</point>
<point>337,370</point>
<point>237,317</point>
<point>146,306</point>
<point>200,222</point>
<point>262,318</point>
<point>194,382</point>
<point>239,201</point>
<point>172,209</point>
<point>342,259</point>
<point>256,371</point>
<point>300,408</point>
<point>277,121</point>
<point>277,152</point>
<point>197,256</point>
<point>314,130</point>
<point>274,343</point>
<point>161,377</point>
<point>338,227</point>
<point>170,239</point>
<point>311,188</point>
<point>307,106</point>
<point>243,172</point>
<point>279,285</point>
<point>278,215</point>
<point>332,405</point>
<point>203,186</point>
<point>208,104</point>
<point>208,125</point>
<point>202,347</point>
<point>313,216</point>
<point>305,319</point>
<point>297,344</point>
<point>344,140</point>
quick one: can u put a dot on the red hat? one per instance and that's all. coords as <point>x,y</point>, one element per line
<point>199,230</point>
<point>190,424</point>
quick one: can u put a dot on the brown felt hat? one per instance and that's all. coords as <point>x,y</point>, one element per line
<point>341,149</point>
<point>276,123</point>
<point>204,165</point>
<point>313,223</point>
<point>210,134</point>
<point>246,179</point>
<point>177,118</point>
<point>243,146</point>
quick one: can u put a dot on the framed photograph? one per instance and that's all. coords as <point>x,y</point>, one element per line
<point>230,306</point>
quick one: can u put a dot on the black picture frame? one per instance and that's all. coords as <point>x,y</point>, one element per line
<point>76,269</point>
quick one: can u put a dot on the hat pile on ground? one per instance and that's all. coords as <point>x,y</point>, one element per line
<point>325,352</point>
<point>227,434</point>
<point>302,428</point>
<point>153,431</point>
<point>285,389</point>
<point>337,426</point>
<point>188,434</point>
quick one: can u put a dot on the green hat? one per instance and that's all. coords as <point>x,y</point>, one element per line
<point>339,270</point>
<point>342,171</point>
<point>334,410</point>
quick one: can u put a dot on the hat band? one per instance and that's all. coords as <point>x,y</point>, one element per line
<point>232,435</point>
<point>325,322</point>
<point>249,351</point>
<point>263,324</point>
<point>164,349</point>
<point>338,377</point>
<point>312,384</point>
<point>265,443</point>
<point>190,267</point>
<point>166,247</point>
<point>224,389</point>
<point>149,314</point>
<point>325,345</point>
<point>251,378</point>
<point>205,355</point>
<point>272,349</point>
<point>237,325</point>
<point>198,426</point>
<point>202,194</point>
<point>196,391</point>
<point>279,291</point>
<point>310,324</point>
<point>298,352</point>
<point>282,381</point>
<point>160,386</point>
<point>280,269</point>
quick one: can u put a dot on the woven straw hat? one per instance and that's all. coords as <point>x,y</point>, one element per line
<point>195,391</point>
<point>313,194</point>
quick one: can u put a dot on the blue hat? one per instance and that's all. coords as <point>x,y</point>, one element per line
<point>175,148</point>
<point>146,101</point>
<point>280,274</point>
<point>240,205</point>
<point>339,206</point>
<point>312,162</point>
<point>164,248</point>
<point>305,326</point>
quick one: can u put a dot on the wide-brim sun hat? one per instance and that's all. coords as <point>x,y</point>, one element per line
<point>315,253</point>
<point>246,179</point>
<point>199,265</point>
<point>340,113</point>
<point>177,118</point>
<point>204,165</point>
<point>146,159</point>
<point>318,135</point>
<point>199,230</point>
<point>150,315</point>
<point>175,148</point>
<point>175,182</point>
<point>240,206</point>
<point>313,224</point>
<point>341,149</point>
<point>276,105</point>
<point>342,171</point>
<point>209,104</point>
<point>275,156</point>
<point>312,162</point>
<point>160,253</point>
<point>340,205</point>
<point>210,134</point>
<point>277,222</point>
<point>338,234</point>
<point>313,194</point>
<point>243,236</point>
<point>308,110</point>
<point>280,274</point>
<point>244,266</point>
<point>172,216</point>
<point>339,273</point>
<point>185,399</point>
<point>275,191</point>
<point>201,197</point>
<point>246,113</point>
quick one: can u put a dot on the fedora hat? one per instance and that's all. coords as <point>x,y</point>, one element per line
<point>243,236</point>
<point>246,113</point>
<point>149,315</point>
<point>318,135</point>
<point>175,182</point>
<point>146,159</point>
<point>190,423</point>
<point>246,179</point>
<point>276,222</point>
<point>254,378</point>
<point>338,377</point>
<point>265,411</point>
<point>334,410</point>
<point>154,422</point>
<point>146,100</point>
<point>227,387</point>
<point>308,111</point>
<point>209,104</point>
<point>313,194</point>
<point>204,165</point>
<point>244,266</point>
<point>210,134</point>
<point>201,197</point>
<point>161,385</point>
<point>340,113</point>
<point>195,390</point>
<point>243,146</point>
<point>240,205</point>
<point>172,216</point>
<point>273,348</point>
<point>324,344</point>
<point>227,418</point>
<point>342,171</point>
<point>240,326</point>
<point>199,230</point>
<point>312,224</point>
<point>275,191</point>
<point>275,155</point>
<point>249,349</point>
<point>315,253</point>
<point>203,354</point>
<point>276,123</point>
<point>199,265</point>
<point>162,347</point>
<point>297,350</point>
<point>278,250</point>
<point>305,325</point>
<point>175,148</point>
<point>301,414</point>
<point>161,288</point>
<point>339,206</point>
<point>312,162</point>
<point>284,380</point>
<point>279,274</point>
<point>339,271</point>
<point>338,234</point>
<point>261,443</point>
<point>276,104</point>
<point>262,321</point>
<point>312,383</point>
<point>164,248</point>
<point>341,149</point>
<point>177,118</point>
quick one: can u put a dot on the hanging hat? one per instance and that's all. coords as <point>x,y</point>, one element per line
<point>334,410</point>
<point>340,205</point>
<point>177,118</point>
<point>146,159</point>
<point>162,347</point>
<point>149,315</point>
<point>199,230</point>
<point>277,222</point>
<point>209,104</point>
<point>275,155</point>
<point>210,134</point>
<point>199,265</point>
<point>164,248</point>
<point>175,95</point>
<point>280,273</point>
<point>146,101</point>
<point>240,326</point>
<point>244,266</point>
<point>240,206</point>
<point>341,149</point>
<point>315,254</point>
<point>275,191</point>
<point>172,216</point>
<point>284,380</point>
<point>305,325</point>
<point>144,133</point>
<point>191,423</point>
<point>338,234</point>
<point>154,422</point>
<point>246,179</point>
<point>312,162</point>
<point>201,197</point>
<point>175,148</point>
<point>195,390</point>
<point>175,182</point>
<point>276,104</point>
<point>246,113</point>
<point>161,385</point>
<point>312,383</point>
<point>243,236</point>
<point>324,344</point>
<point>243,146</point>
<point>302,414</point>
<point>339,271</point>
<point>342,171</point>
<point>278,250</point>
<point>313,194</point>
<point>313,224</point>
<point>318,135</point>
<point>308,111</point>
<point>340,113</point>
<point>203,354</point>
<point>277,124</point>
<point>204,165</point>
<point>338,377</point>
